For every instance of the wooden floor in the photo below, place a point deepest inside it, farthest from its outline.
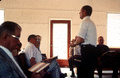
(67, 70)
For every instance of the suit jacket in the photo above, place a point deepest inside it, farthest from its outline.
(8, 69)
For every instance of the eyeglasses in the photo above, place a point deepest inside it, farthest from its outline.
(14, 36)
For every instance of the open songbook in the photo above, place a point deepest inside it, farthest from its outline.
(41, 65)
(51, 59)
(38, 67)
(77, 60)
(111, 51)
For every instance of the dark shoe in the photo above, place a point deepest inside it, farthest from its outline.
(63, 75)
(72, 75)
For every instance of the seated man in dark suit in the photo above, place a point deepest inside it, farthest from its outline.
(105, 58)
(104, 48)
(9, 39)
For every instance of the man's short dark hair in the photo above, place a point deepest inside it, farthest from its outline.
(100, 36)
(88, 9)
(31, 36)
(9, 27)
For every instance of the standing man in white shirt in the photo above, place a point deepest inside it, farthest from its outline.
(87, 39)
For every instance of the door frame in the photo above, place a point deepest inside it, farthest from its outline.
(61, 62)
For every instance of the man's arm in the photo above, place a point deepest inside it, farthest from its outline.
(78, 41)
(32, 61)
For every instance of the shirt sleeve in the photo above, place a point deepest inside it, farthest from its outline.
(34, 52)
(83, 30)
(31, 52)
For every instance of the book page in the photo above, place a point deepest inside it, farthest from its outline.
(42, 68)
(38, 67)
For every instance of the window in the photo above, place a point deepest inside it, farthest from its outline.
(113, 30)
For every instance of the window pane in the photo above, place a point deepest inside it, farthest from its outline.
(113, 30)
(60, 40)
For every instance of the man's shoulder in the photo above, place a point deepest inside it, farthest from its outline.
(5, 67)
(105, 45)
(2, 59)
(87, 21)
(4, 64)
(30, 46)
(102, 45)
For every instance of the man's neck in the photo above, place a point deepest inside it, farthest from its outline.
(86, 16)
(101, 44)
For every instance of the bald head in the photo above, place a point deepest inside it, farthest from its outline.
(101, 40)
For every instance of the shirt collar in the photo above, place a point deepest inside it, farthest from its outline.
(30, 43)
(6, 51)
(86, 17)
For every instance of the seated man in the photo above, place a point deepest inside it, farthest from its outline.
(33, 56)
(74, 54)
(9, 39)
(101, 46)
(105, 60)
(38, 45)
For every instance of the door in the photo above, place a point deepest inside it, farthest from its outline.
(60, 40)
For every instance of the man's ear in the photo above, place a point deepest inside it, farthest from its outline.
(4, 36)
(85, 12)
(31, 40)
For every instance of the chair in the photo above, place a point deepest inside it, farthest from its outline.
(23, 64)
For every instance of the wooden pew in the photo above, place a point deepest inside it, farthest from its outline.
(109, 61)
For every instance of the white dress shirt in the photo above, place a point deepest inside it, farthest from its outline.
(88, 31)
(32, 51)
